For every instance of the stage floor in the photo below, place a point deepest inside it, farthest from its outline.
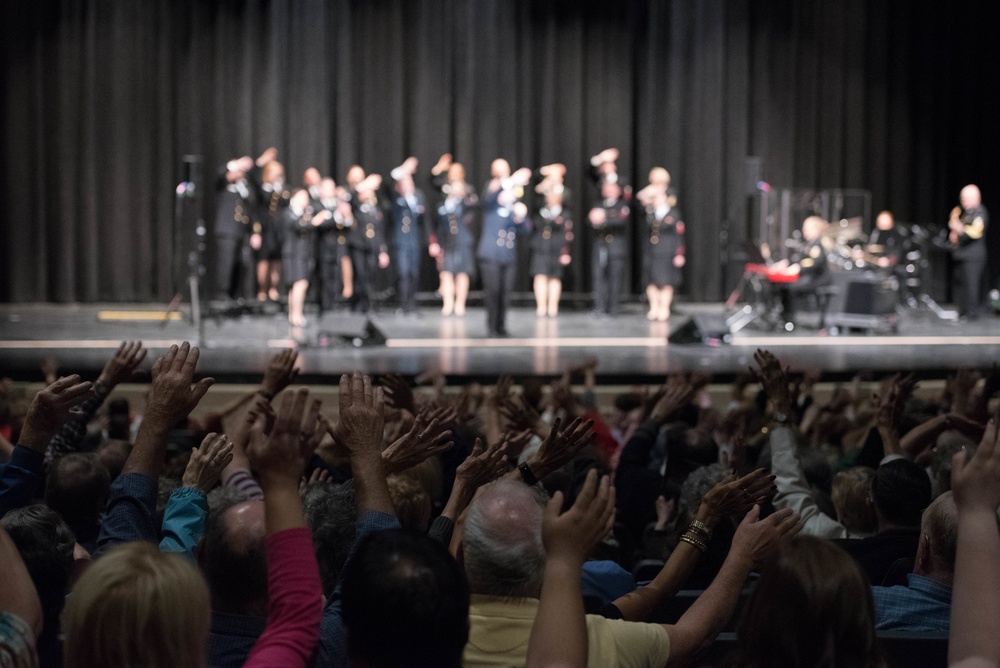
(236, 349)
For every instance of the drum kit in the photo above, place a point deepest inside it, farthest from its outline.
(895, 278)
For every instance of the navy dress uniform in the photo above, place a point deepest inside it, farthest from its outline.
(454, 233)
(234, 209)
(334, 236)
(367, 241)
(551, 239)
(969, 254)
(497, 255)
(610, 253)
(408, 222)
(298, 250)
(664, 240)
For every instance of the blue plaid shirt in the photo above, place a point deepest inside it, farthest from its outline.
(923, 605)
(130, 514)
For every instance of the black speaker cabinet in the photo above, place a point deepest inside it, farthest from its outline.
(863, 300)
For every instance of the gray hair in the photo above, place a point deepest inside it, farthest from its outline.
(502, 541)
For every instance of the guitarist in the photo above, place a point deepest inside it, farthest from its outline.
(967, 229)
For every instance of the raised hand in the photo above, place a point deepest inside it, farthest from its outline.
(279, 451)
(398, 394)
(172, 395)
(735, 495)
(362, 418)
(123, 365)
(561, 446)
(975, 481)
(572, 535)
(207, 462)
(50, 409)
(519, 413)
(483, 465)
(280, 373)
(756, 539)
(425, 439)
(774, 380)
(674, 398)
(316, 478)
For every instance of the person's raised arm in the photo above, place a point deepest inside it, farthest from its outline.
(975, 605)
(119, 369)
(792, 490)
(559, 632)
(754, 540)
(362, 408)
(279, 450)
(730, 496)
(50, 409)
(187, 508)
(481, 467)
(131, 509)
(557, 449)
(425, 439)
(172, 397)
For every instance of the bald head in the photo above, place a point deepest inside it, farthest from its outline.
(812, 228)
(970, 197)
(232, 557)
(502, 541)
(885, 221)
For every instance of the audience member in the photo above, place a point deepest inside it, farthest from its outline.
(812, 607)
(924, 604)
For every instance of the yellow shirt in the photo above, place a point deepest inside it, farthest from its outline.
(500, 629)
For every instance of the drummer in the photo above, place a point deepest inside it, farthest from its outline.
(886, 242)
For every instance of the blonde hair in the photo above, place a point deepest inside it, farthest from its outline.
(849, 492)
(137, 606)
(413, 504)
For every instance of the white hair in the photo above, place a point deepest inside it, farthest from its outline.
(502, 541)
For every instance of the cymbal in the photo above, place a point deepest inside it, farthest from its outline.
(845, 229)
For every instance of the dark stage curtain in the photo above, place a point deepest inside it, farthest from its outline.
(101, 99)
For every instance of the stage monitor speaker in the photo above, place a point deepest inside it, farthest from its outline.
(708, 330)
(862, 300)
(350, 329)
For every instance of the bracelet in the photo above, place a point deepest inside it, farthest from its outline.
(527, 474)
(699, 533)
(264, 393)
(701, 526)
(697, 544)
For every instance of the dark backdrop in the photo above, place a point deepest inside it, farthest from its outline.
(101, 99)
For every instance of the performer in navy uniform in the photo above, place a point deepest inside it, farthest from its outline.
(269, 231)
(610, 221)
(886, 243)
(504, 218)
(235, 199)
(452, 239)
(369, 248)
(967, 230)
(551, 244)
(408, 214)
(811, 263)
(335, 273)
(299, 251)
(663, 258)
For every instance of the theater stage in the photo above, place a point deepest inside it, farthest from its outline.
(236, 349)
